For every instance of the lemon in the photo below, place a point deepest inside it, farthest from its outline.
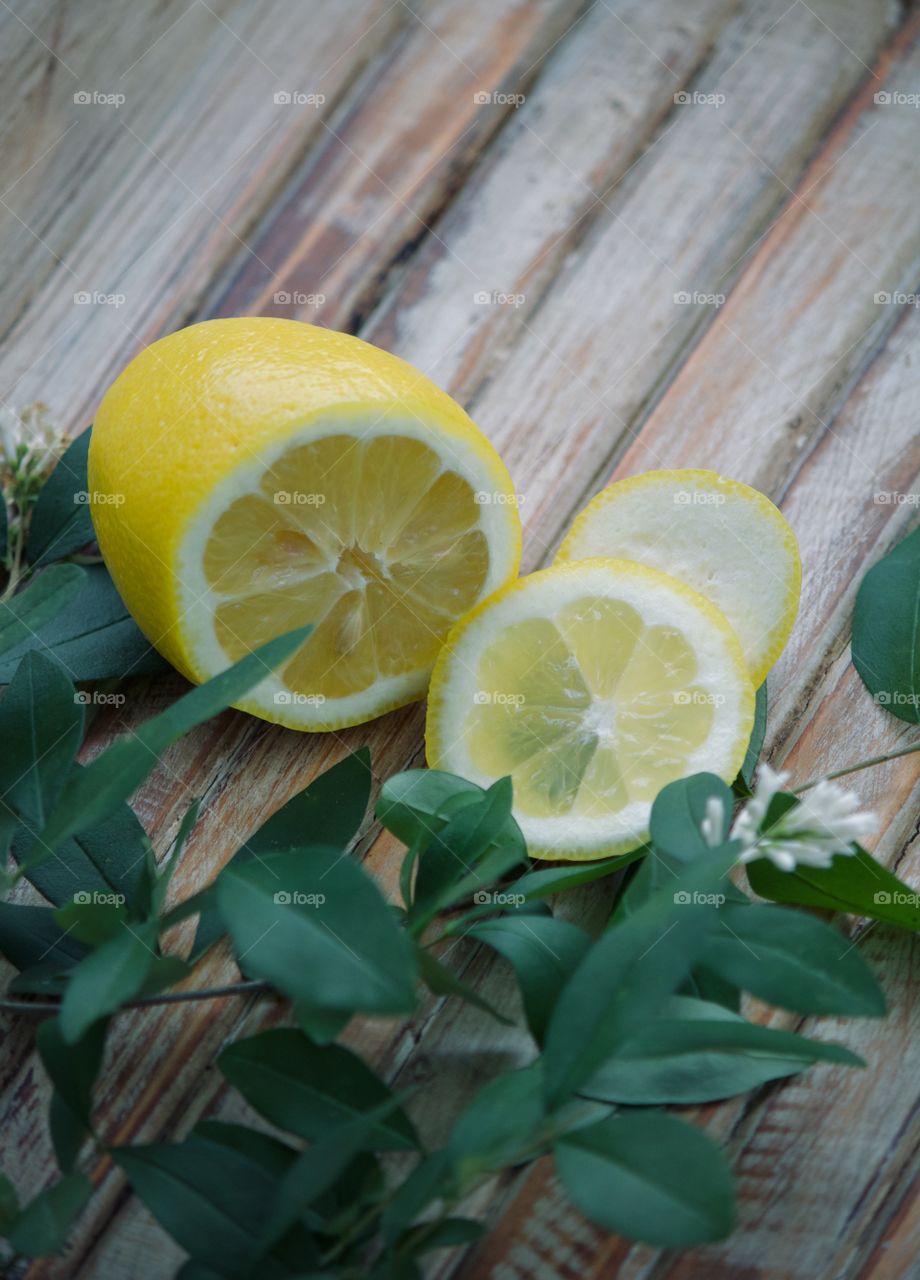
(723, 538)
(593, 684)
(252, 475)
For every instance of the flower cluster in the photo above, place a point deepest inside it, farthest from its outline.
(823, 822)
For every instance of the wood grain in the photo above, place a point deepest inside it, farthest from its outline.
(598, 199)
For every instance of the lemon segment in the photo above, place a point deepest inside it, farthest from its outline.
(272, 474)
(723, 538)
(593, 684)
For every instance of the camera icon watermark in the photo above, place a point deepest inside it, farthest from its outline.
(896, 698)
(95, 698)
(85, 298)
(684, 298)
(288, 698)
(891, 498)
(87, 98)
(285, 298)
(85, 898)
(895, 98)
(496, 898)
(496, 298)
(684, 898)
(296, 98)
(297, 898)
(487, 498)
(896, 299)
(484, 98)
(698, 698)
(297, 498)
(495, 698)
(695, 498)
(98, 497)
(895, 898)
(685, 98)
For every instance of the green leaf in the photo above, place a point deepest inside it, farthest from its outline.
(30, 936)
(442, 981)
(317, 1170)
(91, 920)
(448, 1234)
(544, 881)
(44, 1224)
(886, 630)
(329, 811)
(744, 782)
(323, 1026)
(72, 1069)
(108, 859)
(431, 1179)
(853, 883)
(60, 522)
(629, 972)
(90, 795)
(649, 1177)
(211, 1199)
(310, 1089)
(544, 953)
(93, 636)
(41, 727)
(312, 923)
(703, 1054)
(44, 598)
(9, 1205)
(467, 854)
(421, 801)
(678, 813)
(501, 1126)
(107, 979)
(794, 960)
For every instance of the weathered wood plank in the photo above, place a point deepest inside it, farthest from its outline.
(141, 202)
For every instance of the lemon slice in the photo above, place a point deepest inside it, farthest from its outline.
(723, 538)
(593, 684)
(249, 476)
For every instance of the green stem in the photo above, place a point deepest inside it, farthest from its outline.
(41, 1007)
(855, 768)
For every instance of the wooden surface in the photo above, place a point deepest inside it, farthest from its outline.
(782, 185)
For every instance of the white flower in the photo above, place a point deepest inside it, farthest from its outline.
(823, 823)
(713, 823)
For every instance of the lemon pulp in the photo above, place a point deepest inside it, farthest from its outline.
(332, 537)
(605, 712)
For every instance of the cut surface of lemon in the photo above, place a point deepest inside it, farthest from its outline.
(268, 474)
(593, 684)
(723, 538)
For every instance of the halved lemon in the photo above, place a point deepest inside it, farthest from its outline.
(593, 684)
(252, 475)
(723, 538)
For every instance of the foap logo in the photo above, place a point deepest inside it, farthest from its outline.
(495, 698)
(487, 898)
(684, 898)
(483, 298)
(296, 498)
(497, 99)
(684, 98)
(97, 497)
(487, 498)
(288, 698)
(87, 98)
(83, 898)
(94, 698)
(85, 298)
(686, 498)
(890, 498)
(697, 698)
(896, 299)
(895, 98)
(296, 98)
(897, 898)
(897, 698)
(295, 299)
(696, 299)
(296, 898)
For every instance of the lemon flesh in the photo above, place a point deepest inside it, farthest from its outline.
(723, 538)
(271, 474)
(593, 685)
